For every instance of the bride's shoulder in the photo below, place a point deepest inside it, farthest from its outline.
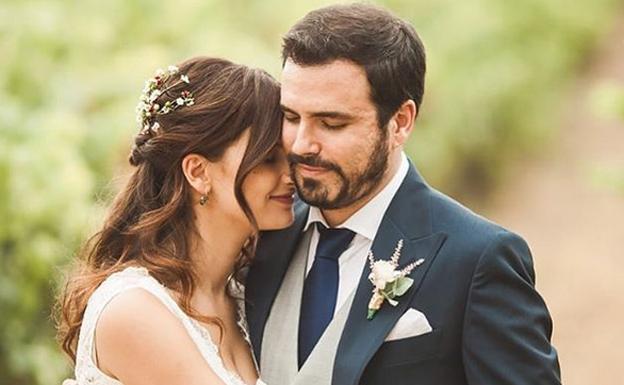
(132, 318)
(128, 298)
(137, 327)
(125, 300)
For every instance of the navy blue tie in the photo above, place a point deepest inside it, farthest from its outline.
(321, 288)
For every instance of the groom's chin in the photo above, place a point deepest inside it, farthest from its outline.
(320, 200)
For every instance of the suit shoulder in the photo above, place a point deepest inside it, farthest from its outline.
(466, 230)
(450, 216)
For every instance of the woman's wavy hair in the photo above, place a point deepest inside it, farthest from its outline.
(151, 217)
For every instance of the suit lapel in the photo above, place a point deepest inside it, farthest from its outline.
(267, 272)
(407, 218)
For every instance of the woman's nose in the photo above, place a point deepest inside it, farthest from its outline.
(286, 178)
(284, 169)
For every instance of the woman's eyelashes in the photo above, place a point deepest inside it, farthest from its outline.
(273, 157)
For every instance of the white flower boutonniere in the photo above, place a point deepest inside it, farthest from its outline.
(388, 282)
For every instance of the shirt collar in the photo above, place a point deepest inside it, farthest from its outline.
(367, 219)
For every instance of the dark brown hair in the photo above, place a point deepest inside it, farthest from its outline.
(151, 218)
(386, 46)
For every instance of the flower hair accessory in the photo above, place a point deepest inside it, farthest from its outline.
(388, 282)
(148, 108)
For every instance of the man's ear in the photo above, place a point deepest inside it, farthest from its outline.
(402, 123)
(196, 169)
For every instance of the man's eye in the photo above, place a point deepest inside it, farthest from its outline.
(334, 126)
(291, 118)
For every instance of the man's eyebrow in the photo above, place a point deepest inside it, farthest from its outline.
(332, 114)
(286, 109)
(321, 114)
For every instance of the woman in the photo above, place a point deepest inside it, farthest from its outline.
(156, 300)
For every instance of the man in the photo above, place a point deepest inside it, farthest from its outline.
(352, 85)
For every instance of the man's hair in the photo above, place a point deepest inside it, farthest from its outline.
(386, 46)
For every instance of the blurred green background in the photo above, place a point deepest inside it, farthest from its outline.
(506, 81)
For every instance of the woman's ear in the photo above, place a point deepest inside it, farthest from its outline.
(196, 169)
(402, 123)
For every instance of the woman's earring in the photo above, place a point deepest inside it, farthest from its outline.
(203, 199)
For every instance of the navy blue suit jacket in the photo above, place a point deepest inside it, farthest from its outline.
(476, 288)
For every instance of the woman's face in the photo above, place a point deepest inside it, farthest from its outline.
(270, 192)
(268, 189)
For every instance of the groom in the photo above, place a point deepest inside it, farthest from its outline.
(352, 85)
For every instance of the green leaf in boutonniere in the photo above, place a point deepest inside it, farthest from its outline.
(402, 285)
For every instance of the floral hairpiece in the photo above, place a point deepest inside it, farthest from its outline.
(147, 107)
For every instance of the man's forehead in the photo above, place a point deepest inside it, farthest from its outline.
(334, 71)
(325, 86)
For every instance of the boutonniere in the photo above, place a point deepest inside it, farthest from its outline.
(388, 282)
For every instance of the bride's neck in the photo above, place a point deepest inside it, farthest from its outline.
(215, 250)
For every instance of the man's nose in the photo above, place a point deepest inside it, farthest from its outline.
(305, 140)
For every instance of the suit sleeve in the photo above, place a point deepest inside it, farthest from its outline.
(507, 327)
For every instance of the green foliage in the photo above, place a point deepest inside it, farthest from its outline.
(71, 72)
(496, 73)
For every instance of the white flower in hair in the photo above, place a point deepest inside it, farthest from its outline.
(154, 90)
(154, 95)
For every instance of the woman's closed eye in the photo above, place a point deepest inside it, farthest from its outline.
(271, 158)
(274, 156)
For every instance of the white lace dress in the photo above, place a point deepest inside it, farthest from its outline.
(87, 372)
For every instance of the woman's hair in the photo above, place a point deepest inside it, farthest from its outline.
(151, 218)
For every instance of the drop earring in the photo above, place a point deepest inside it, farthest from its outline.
(203, 199)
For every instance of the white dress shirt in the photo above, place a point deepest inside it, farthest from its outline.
(364, 223)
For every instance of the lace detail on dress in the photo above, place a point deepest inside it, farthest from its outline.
(238, 291)
(87, 372)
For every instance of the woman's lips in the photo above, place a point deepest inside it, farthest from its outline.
(287, 199)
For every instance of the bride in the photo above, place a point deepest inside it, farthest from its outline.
(156, 297)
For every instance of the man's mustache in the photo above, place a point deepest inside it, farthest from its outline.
(312, 161)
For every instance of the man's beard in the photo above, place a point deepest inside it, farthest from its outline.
(351, 188)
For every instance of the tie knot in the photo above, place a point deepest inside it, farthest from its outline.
(332, 242)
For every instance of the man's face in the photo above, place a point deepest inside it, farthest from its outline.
(337, 152)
